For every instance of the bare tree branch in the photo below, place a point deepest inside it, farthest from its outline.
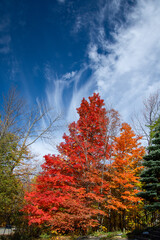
(150, 113)
(28, 125)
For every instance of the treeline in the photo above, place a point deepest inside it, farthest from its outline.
(20, 127)
(94, 181)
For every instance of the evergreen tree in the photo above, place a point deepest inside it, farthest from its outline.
(150, 176)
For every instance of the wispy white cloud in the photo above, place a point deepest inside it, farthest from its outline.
(132, 67)
(57, 87)
(78, 93)
(69, 75)
(124, 71)
(40, 149)
(54, 90)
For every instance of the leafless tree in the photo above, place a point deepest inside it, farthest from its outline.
(27, 124)
(150, 113)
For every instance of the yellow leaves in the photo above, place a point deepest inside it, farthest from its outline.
(103, 229)
(54, 232)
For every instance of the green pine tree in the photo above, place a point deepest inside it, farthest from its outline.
(150, 176)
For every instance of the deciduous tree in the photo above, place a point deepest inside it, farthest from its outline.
(73, 180)
(123, 173)
(143, 122)
(20, 127)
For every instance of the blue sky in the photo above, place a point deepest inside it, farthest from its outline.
(59, 51)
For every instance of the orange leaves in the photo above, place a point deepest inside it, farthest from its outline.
(78, 185)
(127, 156)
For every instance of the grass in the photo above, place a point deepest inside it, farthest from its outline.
(106, 235)
(109, 235)
(49, 237)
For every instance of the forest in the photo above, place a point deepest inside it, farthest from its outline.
(103, 179)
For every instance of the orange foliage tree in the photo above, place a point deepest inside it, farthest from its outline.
(123, 173)
(77, 189)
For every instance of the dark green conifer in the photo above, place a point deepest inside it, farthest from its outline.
(150, 176)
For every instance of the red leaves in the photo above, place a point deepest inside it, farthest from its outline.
(77, 185)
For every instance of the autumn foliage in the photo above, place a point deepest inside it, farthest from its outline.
(123, 172)
(94, 173)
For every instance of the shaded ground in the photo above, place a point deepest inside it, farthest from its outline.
(150, 233)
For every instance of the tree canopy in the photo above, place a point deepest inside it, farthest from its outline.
(94, 173)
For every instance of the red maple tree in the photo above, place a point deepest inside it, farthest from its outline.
(68, 192)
